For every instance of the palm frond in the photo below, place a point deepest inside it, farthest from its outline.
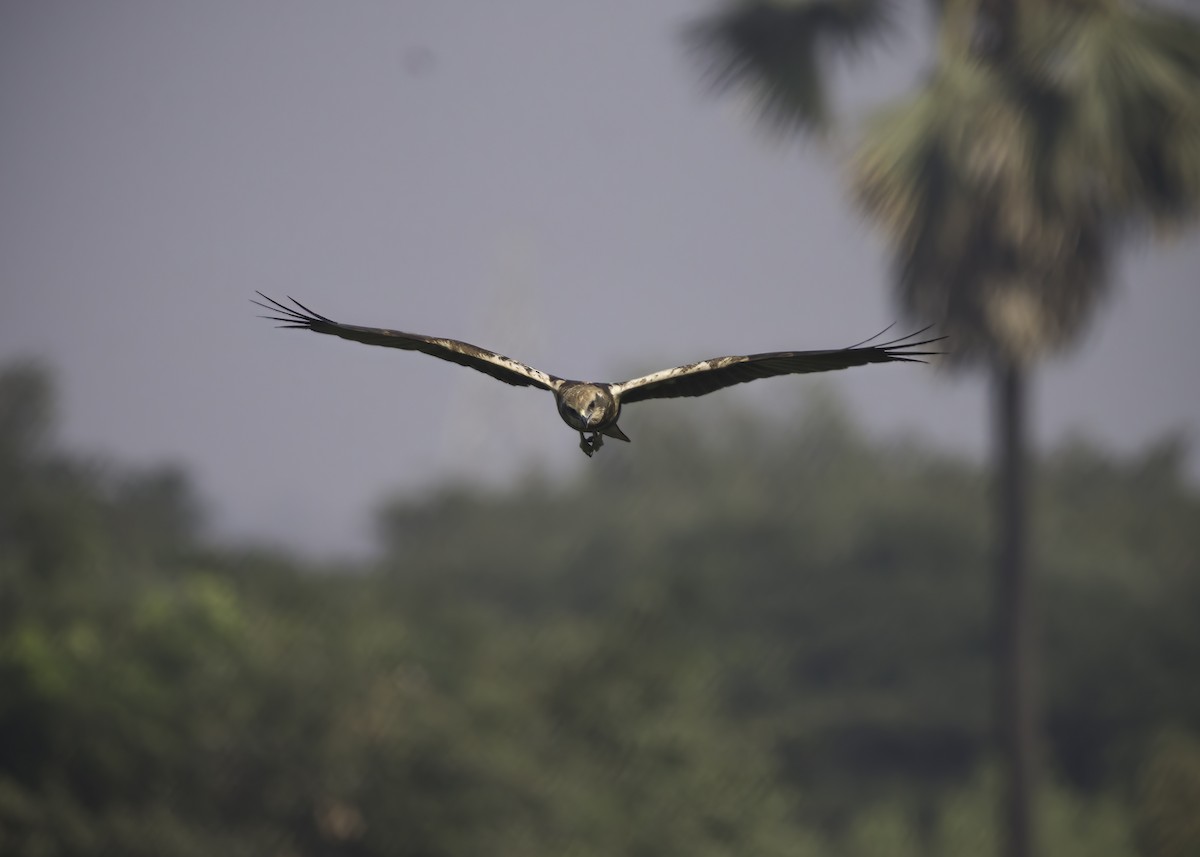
(1129, 81)
(956, 176)
(776, 50)
(999, 188)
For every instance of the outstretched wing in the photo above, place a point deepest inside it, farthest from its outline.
(464, 354)
(697, 379)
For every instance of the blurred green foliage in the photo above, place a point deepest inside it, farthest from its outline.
(766, 639)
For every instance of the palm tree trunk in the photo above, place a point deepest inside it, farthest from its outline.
(1013, 620)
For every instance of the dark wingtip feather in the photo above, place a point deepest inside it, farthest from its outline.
(267, 307)
(895, 358)
(902, 349)
(275, 307)
(315, 315)
(290, 317)
(870, 338)
(907, 341)
(278, 318)
(274, 303)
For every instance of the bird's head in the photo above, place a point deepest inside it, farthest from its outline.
(592, 412)
(586, 407)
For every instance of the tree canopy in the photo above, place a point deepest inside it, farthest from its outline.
(750, 642)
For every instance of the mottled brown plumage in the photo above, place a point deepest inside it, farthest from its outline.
(593, 408)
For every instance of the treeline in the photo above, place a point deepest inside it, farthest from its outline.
(765, 640)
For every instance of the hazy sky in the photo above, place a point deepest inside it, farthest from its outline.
(546, 179)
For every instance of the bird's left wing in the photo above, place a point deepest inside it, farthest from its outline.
(463, 353)
(716, 373)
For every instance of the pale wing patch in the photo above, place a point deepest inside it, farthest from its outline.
(679, 372)
(543, 378)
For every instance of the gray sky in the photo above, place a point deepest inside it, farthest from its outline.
(546, 179)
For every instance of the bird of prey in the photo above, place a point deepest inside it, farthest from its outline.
(593, 408)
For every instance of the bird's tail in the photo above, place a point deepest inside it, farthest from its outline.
(613, 431)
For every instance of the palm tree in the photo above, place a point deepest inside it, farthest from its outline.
(1046, 131)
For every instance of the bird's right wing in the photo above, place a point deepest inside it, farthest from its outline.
(716, 373)
(463, 353)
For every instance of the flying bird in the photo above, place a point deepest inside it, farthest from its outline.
(593, 408)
